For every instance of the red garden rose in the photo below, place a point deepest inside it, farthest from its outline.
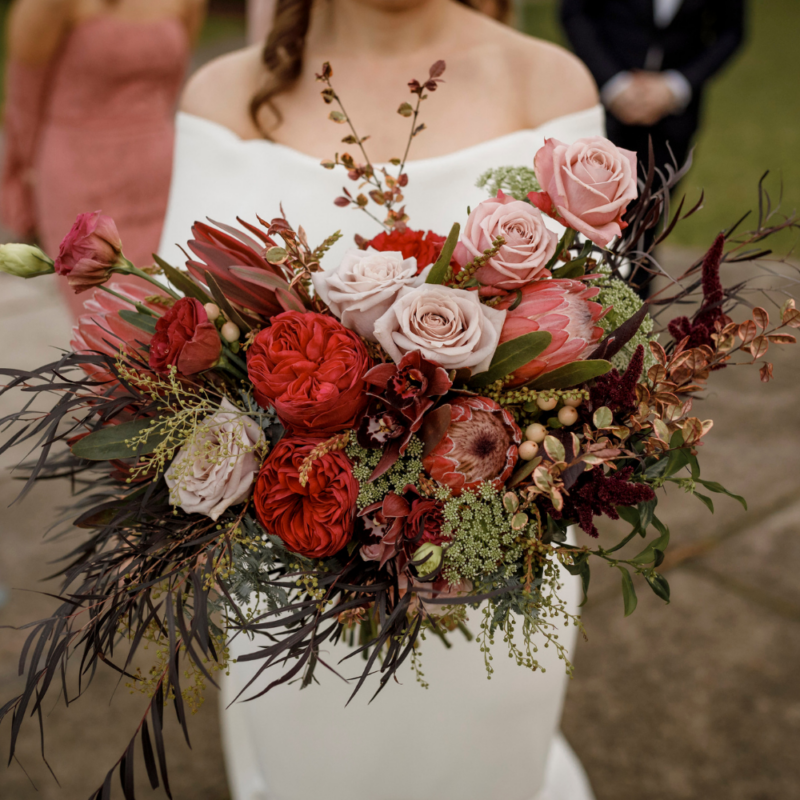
(425, 247)
(315, 520)
(89, 252)
(311, 369)
(185, 338)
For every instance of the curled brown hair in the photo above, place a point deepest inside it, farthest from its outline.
(283, 51)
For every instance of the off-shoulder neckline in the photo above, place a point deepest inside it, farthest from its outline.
(220, 130)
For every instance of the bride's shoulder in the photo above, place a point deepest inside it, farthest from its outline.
(548, 79)
(221, 91)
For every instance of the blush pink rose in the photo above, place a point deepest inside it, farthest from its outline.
(587, 185)
(89, 252)
(528, 247)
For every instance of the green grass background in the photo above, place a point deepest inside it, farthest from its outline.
(751, 122)
(752, 115)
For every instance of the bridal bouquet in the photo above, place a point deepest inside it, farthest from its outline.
(391, 446)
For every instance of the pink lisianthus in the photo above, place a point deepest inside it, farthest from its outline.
(586, 185)
(89, 252)
(528, 248)
(564, 309)
(101, 329)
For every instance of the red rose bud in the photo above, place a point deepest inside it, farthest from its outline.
(311, 369)
(425, 247)
(480, 446)
(315, 520)
(90, 252)
(185, 338)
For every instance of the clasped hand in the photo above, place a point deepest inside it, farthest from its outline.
(646, 101)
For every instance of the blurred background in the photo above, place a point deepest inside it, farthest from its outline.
(697, 701)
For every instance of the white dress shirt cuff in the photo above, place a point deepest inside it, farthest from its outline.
(679, 87)
(614, 87)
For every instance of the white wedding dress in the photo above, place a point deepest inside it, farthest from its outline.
(466, 737)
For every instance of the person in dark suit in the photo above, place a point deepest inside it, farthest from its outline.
(651, 60)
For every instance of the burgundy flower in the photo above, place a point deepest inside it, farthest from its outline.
(185, 338)
(700, 329)
(89, 252)
(480, 446)
(595, 494)
(618, 392)
(396, 526)
(407, 391)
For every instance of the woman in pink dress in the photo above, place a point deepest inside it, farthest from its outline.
(91, 89)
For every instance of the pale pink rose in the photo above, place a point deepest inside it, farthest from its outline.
(89, 251)
(217, 470)
(564, 309)
(587, 185)
(528, 247)
(364, 285)
(449, 326)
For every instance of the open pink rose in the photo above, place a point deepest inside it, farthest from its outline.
(528, 247)
(89, 252)
(587, 184)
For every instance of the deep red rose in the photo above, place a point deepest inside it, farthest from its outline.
(311, 369)
(425, 247)
(89, 251)
(315, 520)
(185, 338)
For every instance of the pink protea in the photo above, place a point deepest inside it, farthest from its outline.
(481, 445)
(564, 309)
(100, 328)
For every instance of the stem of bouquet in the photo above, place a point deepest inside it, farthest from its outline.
(232, 365)
(130, 269)
(140, 307)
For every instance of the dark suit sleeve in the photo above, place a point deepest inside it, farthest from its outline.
(577, 17)
(729, 23)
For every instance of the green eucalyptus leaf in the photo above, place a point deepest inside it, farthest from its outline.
(439, 270)
(110, 442)
(142, 321)
(512, 355)
(603, 417)
(570, 375)
(629, 598)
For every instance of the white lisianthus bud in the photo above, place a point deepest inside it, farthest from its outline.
(431, 554)
(213, 312)
(24, 261)
(230, 332)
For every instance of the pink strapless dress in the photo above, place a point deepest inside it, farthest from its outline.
(94, 130)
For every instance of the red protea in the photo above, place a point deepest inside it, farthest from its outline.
(480, 446)
(101, 329)
(564, 309)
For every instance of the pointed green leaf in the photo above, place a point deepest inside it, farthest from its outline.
(570, 375)
(182, 282)
(705, 500)
(439, 270)
(524, 472)
(142, 321)
(718, 488)
(512, 355)
(109, 442)
(658, 583)
(629, 598)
